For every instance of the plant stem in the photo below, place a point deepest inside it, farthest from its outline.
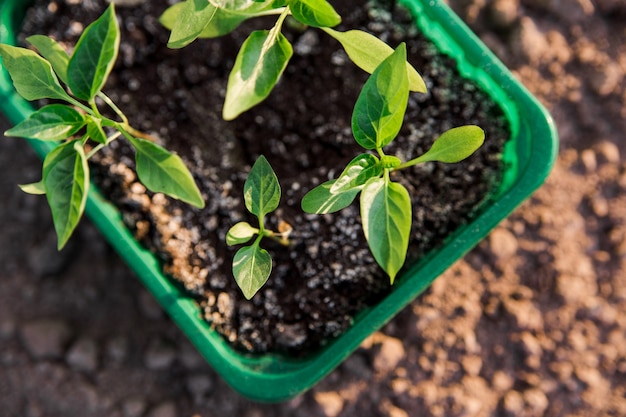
(410, 163)
(102, 145)
(279, 23)
(79, 105)
(112, 105)
(271, 12)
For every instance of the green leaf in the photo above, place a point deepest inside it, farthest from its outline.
(259, 64)
(35, 188)
(386, 217)
(53, 122)
(66, 181)
(357, 173)
(53, 52)
(316, 13)
(32, 75)
(368, 52)
(205, 24)
(192, 17)
(191, 20)
(454, 145)
(164, 172)
(261, 191)
(380, 107)
(95, 131)
(240, 233)
(94, 56)
(252, 267)
(320, 200)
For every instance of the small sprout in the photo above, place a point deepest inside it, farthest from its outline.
(65, 174)
(252, 265)
(385, 205)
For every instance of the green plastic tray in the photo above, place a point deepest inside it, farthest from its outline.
(529, 155)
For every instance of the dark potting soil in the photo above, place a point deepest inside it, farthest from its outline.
(327, 275)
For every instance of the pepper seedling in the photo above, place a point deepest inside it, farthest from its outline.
(385, 204)
(252, 265)
(65, 174)
(264, 55)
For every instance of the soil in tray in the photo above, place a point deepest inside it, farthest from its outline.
(327, 275)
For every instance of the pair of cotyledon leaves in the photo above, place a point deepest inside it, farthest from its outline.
(65, 173)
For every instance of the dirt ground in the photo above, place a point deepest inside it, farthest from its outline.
(531, 323)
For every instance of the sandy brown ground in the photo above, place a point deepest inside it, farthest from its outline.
(531, 323)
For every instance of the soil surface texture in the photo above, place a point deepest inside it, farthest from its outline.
(530, 323)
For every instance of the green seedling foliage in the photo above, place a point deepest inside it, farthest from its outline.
(357, 173)
(66, 183)
(265, 54)
(65, 176)
(162, 171)
(35, 188)
(240, 233)
(187, 21)
(380, 108)
(252, 265)
(385, 205)
(386, 217)
(195, 19)
(317, 13)
(454, 145)
(95, 130)
(32, 76)
(261, 191)
(53, 122)
(367, 52)
(94, 56)
(53, 53)
(260, 62)
(321, 200)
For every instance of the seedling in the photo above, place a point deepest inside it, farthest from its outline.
(252, 264)
(265, 54)
(385, 204)
(79, 124)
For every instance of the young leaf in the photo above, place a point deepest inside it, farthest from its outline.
(357, 173)
(320, 200)
(454, 145)
(316, 13)
(259, 64)
(35, 188)
(53, 52)
(240, 233)
(252, 267)
(187, 20)
(94, 56)
(202, 25)
(53, 122)
(66, 181)
(386, 217)
(32, 75)
(367, 52)
(95, 131)
(162, 171)
(261, 191)
(380, 107)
